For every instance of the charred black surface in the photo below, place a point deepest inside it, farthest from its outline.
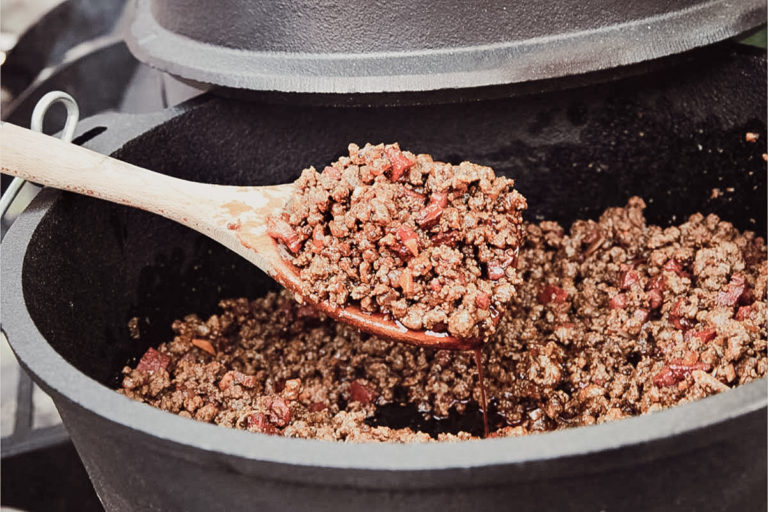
(401, 415)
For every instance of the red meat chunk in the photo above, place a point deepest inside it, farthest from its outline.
(429, 215)
(627, 277)
(676, 371)
(260, 422)
(409, 239)
(736, 291)
(152, 360)
(552, 293)
(400, 163)
(279, 412)
(358, 392)
(618, 301)
(282, 231)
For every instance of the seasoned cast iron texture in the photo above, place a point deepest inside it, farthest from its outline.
(343, 46)
(75, 270)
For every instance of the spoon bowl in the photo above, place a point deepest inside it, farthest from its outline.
(234, 216)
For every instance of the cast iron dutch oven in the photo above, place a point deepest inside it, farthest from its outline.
(75, 270)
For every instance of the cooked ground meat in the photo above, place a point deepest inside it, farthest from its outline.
(431, 244)
(612, 319)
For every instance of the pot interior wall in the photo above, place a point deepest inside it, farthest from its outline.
(669, 137)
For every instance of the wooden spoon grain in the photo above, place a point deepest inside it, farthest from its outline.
(233, 216)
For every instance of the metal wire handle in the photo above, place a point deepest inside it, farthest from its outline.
(36, 124)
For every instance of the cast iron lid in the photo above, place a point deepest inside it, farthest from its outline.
(343, 46)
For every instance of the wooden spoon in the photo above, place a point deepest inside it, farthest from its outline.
(233, 216)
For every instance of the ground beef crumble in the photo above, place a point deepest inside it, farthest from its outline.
(432, 244)
(612, 319)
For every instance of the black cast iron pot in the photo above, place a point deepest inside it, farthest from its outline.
(75, 270)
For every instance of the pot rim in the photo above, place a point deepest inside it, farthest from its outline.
(58, 376)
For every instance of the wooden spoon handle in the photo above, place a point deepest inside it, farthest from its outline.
(49, 161)
(234, 216)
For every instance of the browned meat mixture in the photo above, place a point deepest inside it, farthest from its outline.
(612, 319)
(432, 244)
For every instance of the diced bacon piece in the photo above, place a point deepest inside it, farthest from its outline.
(152, 360)
(440, 198)
(655, 298)
(733, 292)
(483, 300)
(552, 293)
(429, 215)
(409, 239)
(706, 335)
(260, 422)
(318, 237)
(627, 277)
(666, 377)
(676, 371)
(400, 163)
(358, 392)
(618, 301)
(278, 410)
(281, 231)
(412, 194)
(497, 268)
(247, 381)
(678, 320)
